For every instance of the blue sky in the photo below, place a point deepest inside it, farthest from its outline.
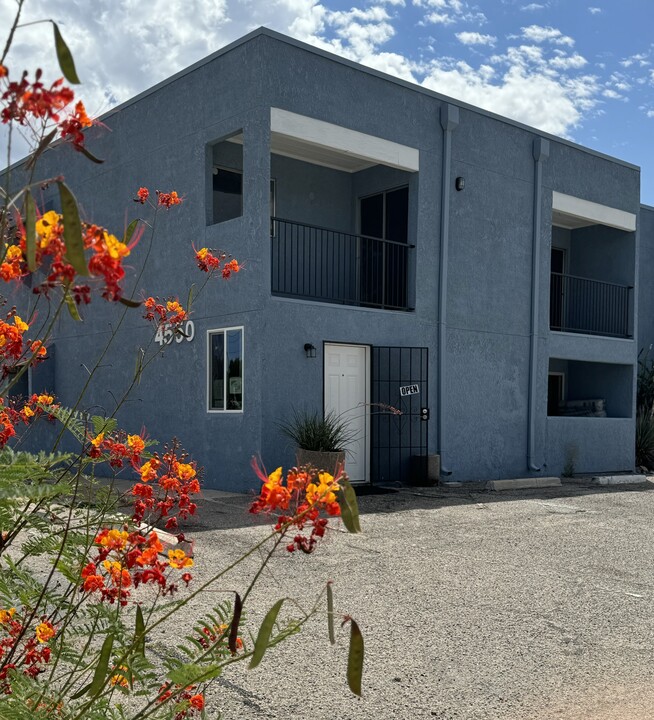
(581, 70)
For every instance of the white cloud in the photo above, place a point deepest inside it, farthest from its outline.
(535, 100)
(541, 34)
(532, 7)
(640, 59)
(612, 94)
(594, 10)
(448, 12)
(524, 83)
(620, 82)
(475, 38)
(568, 62)
(650, 113)
(125, 47)
(439, 18)
(121, 47)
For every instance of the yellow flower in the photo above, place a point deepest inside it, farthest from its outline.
(120, 576)
(45, 399)
(28, 412)
(13, 253)
(115, 248)
(113, 539)
(6, 615)
(148, 471)
(185, 471)
(46, 225)
(22, 326)
(119, 679)
(44, 631)
(274, 479)
(324, 492)
(178, 559)
(135, 443)
(97, 440)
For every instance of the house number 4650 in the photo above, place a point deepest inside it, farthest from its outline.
(166, 333)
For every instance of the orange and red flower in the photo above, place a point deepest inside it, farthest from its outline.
(13, 267)
(209, 262)
(142, 195)
(305, 496)
(168, 199)
(71, 128)
(171, 313)
(45, 631)
(106, 261)
(197, 702)
(178, 559)
(24, 100)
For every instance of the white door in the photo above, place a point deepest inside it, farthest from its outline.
(347, 383)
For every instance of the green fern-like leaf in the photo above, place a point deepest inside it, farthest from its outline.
(74, 421)
(102, 424)
(186, 674)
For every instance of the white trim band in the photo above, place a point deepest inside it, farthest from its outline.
(599, 214)
(350, 142)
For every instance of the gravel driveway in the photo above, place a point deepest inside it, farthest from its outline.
(474, 606)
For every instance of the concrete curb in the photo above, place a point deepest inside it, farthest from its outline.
(524, 483)
(619, 479)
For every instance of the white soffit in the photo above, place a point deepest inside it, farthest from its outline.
(572, 212)
(300, 136)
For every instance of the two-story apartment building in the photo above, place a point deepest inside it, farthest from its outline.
(399, 248)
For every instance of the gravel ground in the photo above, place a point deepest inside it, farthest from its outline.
(473, 606)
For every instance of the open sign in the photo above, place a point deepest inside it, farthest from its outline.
(409, 390)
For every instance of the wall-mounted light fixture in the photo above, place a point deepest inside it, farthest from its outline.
(460, 183)
(309, 350)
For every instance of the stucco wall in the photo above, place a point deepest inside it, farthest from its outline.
(164, 141)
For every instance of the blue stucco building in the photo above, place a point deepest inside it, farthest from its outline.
(399, 247)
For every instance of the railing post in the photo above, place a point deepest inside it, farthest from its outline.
(383, 283)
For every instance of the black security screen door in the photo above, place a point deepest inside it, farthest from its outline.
(399, 379)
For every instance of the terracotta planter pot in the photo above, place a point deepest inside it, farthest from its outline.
(327, 461)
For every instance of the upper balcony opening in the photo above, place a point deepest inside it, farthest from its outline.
(592, 268)
(342, 214)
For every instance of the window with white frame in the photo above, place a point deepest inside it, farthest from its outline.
(225, 368)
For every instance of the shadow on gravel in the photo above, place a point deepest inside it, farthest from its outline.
(222, 510)
(429, 498)
(231, 510)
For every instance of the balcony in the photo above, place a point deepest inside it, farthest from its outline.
(316, 263)
(590, 307)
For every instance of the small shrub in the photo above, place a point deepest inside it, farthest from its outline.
(645, 389)
(645, 437)
(310, 430)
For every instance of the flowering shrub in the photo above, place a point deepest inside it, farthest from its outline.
(306, 497)
(82, 572)
(210, 263)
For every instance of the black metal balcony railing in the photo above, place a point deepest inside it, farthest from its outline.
(316, 263)
(592, 307)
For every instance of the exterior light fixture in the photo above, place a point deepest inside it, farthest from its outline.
(460, 183)
(309, 350)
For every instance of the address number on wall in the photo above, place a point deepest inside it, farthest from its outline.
(166, 333)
